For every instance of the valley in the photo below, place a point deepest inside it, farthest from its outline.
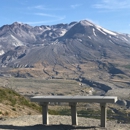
(29, 87)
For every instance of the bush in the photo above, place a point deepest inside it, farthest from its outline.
(1, 112)
(14, 109)
(60, 112)
(6, 113)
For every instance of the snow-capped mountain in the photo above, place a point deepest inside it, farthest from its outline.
(24, 46)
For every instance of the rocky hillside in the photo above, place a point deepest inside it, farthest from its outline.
(22, 45)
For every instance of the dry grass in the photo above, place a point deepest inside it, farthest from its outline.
(13, 104)
(38, 86)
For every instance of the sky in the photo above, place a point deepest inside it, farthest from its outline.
(113, 15)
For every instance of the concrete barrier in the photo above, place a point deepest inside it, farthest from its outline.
(73, 100)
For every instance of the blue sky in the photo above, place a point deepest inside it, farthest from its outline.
(110, 14)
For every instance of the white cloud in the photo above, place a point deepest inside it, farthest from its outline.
(51, 16)
(46, 21)
(39, 7)
(42, 7)
(47, 15)
(75, 6)
(55, 18)
(113, 4)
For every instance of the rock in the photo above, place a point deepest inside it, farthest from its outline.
(121, 102)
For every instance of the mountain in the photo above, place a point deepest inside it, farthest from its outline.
(78, 49)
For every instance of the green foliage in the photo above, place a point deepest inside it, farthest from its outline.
(7, 94)
(81, 113)
(6, 113)
(89, 114)
(13, 98)
(14, 109)
(59, 112)
(120, 117)
(127, 66)
(1, 112)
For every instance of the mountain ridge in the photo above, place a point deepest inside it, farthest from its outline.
(61, 46)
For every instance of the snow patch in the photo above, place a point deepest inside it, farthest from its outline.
(89, 37)
(123, 38)
(111, 41)
(2, 52)
(63, 32)
(48, 28)
(19, 23)
(101, 31)
(109, 32)
(70, 26)
(17, 42)
(40, 28)
(106, 31)
(94, 32)
(55, 42)
(50, 33)
(86, 23)
(80, 40)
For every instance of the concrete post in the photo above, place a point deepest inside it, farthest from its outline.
(103, 114)
(45, 119)
(73, 113)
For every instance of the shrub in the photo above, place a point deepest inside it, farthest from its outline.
(6, 113)
(14, 109)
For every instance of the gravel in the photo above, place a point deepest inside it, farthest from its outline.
(34, 122)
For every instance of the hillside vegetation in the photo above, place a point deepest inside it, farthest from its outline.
(13, 104)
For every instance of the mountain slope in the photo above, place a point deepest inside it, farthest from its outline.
(58, 49)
